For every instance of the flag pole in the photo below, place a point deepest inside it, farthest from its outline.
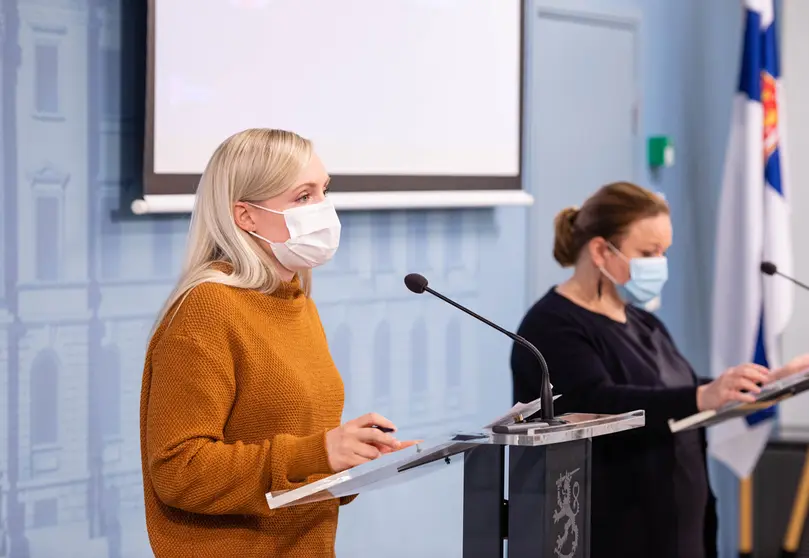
(797, 519)
(746, 517)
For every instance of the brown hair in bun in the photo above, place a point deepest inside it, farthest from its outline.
(607, 214)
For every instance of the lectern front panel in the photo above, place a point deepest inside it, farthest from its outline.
(484, 512)
(549, 501)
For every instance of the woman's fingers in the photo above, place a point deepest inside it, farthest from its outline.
(753, 372)
(372, 419)
(743, 384)
(366, 451)
(743, 397)
(376, 436)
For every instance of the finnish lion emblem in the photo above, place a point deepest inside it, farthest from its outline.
(567, 502)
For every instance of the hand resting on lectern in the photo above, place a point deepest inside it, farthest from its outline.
(361, 440)
(739, 383)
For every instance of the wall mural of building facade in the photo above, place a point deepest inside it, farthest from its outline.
(81, 285)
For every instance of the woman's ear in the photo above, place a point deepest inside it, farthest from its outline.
(597, 248)
(243, 218)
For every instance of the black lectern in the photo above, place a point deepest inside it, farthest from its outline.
(543, 510)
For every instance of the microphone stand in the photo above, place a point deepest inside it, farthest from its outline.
(545, 413)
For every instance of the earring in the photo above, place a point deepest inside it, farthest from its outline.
(599, 287)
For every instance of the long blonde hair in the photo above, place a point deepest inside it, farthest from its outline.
(252, 165)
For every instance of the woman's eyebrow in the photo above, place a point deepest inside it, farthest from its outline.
(311, 184)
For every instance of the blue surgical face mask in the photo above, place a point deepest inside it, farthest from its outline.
(647, 276)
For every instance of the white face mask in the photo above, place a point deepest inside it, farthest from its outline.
(314, 235)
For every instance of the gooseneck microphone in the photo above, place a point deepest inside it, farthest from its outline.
(418, 284)
(769, 268)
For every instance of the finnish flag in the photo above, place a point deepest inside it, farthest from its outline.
(750, 310)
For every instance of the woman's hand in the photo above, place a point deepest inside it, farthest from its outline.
(735, 384)
(357, 442)
(794, 366)
(402, 445)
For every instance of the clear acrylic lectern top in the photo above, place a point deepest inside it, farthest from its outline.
(428, 456)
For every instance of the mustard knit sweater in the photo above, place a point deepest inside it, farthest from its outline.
(238, 391)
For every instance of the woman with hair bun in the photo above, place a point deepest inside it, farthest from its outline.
(606, 354)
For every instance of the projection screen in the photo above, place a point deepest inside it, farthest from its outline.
(410, 103)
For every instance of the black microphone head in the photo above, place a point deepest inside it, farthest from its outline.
(415, 282)
(768, 268)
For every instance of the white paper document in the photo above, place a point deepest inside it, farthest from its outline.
(520, 411)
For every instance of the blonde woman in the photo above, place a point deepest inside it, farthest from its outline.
(240, 395)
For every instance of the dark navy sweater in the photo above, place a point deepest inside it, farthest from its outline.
(650, 491)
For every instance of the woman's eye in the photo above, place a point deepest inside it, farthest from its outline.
(304, 198)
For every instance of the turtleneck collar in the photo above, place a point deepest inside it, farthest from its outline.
(286, 290)
(289, 289)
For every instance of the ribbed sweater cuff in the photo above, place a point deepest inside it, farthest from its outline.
(307, 456)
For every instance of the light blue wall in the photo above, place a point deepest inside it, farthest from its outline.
(81, 286)
(689, 64)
